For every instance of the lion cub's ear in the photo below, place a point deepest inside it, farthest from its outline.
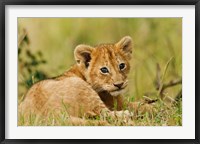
(125, 44)
(82, 54)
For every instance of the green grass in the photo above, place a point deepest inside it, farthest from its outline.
(50, 42)
(162, 115)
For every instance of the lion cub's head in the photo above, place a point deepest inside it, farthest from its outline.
(106, 66)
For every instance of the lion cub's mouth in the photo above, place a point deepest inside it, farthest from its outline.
(117, 92)
(119, 89)
(113, 91)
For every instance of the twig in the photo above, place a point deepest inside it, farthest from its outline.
(171, 84)
(161, 86)
(149, 100)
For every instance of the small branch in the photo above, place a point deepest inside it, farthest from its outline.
(169, 84)
(172, 83)
(161, 86)
(149, 100)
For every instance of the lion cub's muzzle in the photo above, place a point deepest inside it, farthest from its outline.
(119, 88)
(119, 85)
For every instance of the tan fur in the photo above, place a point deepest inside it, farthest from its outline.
(84, 90)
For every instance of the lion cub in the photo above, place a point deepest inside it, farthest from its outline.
(93, 85)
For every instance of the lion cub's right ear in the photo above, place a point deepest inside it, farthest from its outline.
(82, 54)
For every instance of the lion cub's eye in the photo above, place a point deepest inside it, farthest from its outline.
(104, 70)
(122, 66)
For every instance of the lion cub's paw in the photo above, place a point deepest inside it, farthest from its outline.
(122, 114)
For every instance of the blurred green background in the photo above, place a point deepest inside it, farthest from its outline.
(46, 48)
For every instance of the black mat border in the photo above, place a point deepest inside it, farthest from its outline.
(3, 3)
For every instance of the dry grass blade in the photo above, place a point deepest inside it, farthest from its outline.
(163, 76)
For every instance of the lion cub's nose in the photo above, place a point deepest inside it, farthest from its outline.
(119, 85)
